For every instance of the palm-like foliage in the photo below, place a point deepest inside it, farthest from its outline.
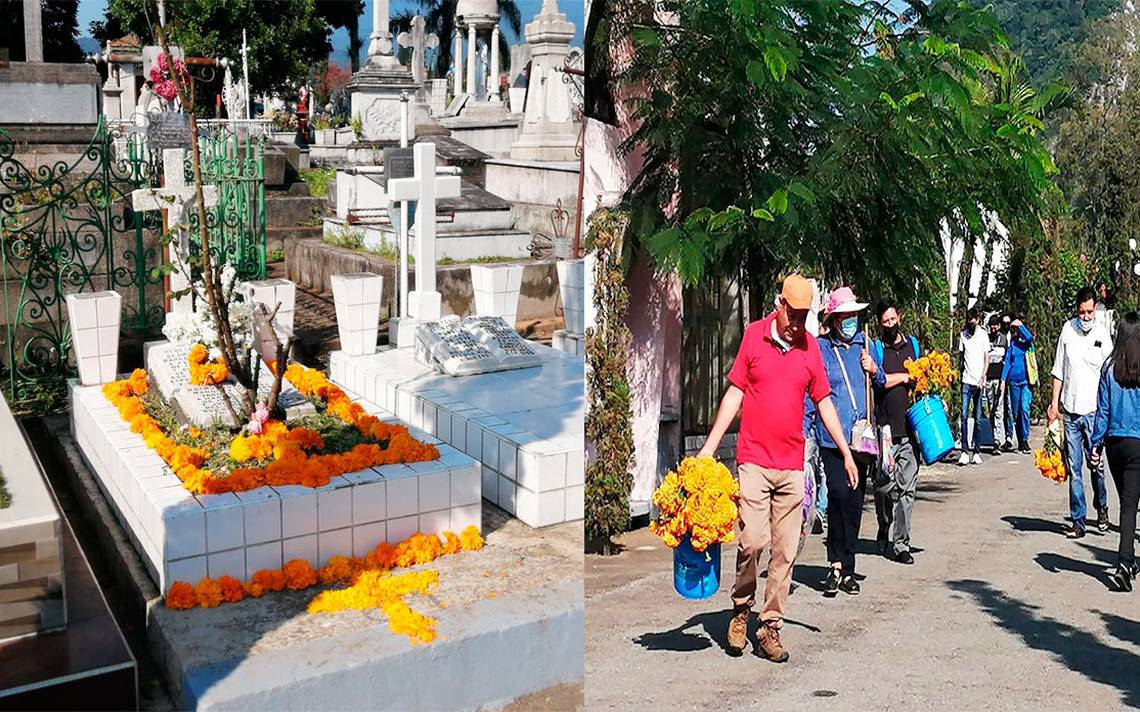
(439, 18)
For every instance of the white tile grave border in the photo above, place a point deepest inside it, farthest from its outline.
(539, 481)
(186, 537)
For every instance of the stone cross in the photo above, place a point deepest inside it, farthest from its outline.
(424, 187)
(175, 197)
(419, 42)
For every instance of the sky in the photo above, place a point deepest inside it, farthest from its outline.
(574, 9)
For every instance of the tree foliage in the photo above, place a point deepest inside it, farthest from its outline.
(286, 37)
(609, 429)
(60, 30)
(829, 136)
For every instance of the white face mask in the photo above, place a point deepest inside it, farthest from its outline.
(1084, 326)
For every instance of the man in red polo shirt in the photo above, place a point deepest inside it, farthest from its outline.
(778, 363)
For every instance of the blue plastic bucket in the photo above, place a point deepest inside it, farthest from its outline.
(696, 574)
(931, 428)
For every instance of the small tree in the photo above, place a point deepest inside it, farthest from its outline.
(609, 432)
(238, 355)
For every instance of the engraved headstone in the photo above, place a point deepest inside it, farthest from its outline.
(473, 345)
(168, 129)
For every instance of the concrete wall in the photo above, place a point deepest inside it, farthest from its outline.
(310, 263)
(39, 93)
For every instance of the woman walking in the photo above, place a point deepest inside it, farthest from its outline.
(845, 358)
(1117, 429)
(1016, 377)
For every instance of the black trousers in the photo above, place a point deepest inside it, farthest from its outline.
(1123, 456)
(844, 509)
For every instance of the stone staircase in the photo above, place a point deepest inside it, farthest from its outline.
(292, 214)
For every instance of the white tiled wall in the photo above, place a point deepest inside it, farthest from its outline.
(357, 300)
(186, 537)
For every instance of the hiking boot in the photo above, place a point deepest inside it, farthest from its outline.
(831, 584)
(849, 585)
(738, 630)
(964, 459)
(1102, 519)
(770, 646)
(977, 458)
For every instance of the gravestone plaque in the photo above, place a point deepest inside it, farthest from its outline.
(168, 129)
(473, 345)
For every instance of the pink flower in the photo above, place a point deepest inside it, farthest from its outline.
(258, 419)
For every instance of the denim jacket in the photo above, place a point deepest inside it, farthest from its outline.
(1117, 409)
(832, 349)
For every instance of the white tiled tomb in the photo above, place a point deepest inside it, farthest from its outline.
(185, 537)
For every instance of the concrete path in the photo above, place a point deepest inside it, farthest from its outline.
(1000, 611)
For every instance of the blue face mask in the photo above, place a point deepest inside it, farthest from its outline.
(849, 327)
(1083, 326)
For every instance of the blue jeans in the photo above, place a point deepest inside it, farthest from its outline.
(1010, 418)
(1078, 440)
(1021, 398)
(971, 414)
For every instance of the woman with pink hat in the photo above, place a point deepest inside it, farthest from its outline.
(850, 371)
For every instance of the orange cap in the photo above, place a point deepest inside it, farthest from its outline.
(797, 291)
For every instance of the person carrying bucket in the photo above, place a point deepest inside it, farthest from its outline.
(895, 489)
(850, 372)
(777, 364)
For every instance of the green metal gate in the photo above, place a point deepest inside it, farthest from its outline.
(68, 227)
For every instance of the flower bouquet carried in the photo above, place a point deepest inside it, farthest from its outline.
(1048, 459)
(697, 513)
(931, 377)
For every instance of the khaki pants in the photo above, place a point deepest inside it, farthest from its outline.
(771, 504)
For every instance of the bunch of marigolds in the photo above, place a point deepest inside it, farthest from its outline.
(932, 374)
(1049, 460)
(203, 370)
(699, 499)
(368, 581)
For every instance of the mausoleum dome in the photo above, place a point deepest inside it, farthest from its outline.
(477, 11)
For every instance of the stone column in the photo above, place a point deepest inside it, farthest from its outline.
(471, 60)
(33, 32)
(493, 80)
(457, 70)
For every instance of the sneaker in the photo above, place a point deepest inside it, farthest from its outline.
(1122, 579)
(770, 645)
(817, 524)
(1075, 531)
(738, 630)
(904, 557)
(1102, 519)
(996, 451)
(1024, 450)
(831, 584)
(1007, 446)
(964, 459)
(849, 585)
(977, 458)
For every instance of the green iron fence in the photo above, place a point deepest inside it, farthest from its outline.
(68, 227)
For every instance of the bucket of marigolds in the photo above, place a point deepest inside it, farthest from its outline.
(697, 513)
(931, 377)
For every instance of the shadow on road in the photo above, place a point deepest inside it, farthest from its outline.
(1080, 651)
(934, 491)
(1034, 524)
(688, 637)
(1054, 563)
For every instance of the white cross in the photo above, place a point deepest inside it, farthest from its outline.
(174, 198)
(419, 42)
(425, 187)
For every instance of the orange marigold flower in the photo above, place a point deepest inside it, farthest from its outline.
(208, 592)
(254, 590)
(337, 570)
(269, 579)
(299, 574)
(471, 539)
(181, 596)
(231, 589)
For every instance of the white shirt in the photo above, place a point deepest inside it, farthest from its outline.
(975, 352)
(1077, 366)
